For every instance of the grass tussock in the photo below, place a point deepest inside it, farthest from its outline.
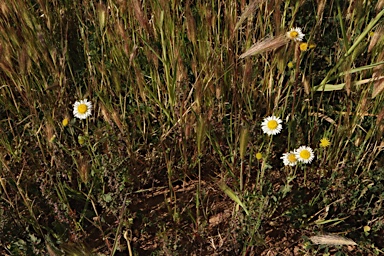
(210, 127)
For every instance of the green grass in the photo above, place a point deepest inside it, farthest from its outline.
(166, 164)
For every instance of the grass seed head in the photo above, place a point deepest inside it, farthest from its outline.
(265, 45)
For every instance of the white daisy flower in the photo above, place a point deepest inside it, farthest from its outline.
(304, 154)
(271, 125)
(289, 159)
(82, 109)
(295, 34)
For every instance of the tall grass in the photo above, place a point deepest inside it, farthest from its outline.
(166, 163)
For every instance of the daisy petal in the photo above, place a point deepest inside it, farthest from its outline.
(82, 109)
(304, 154)
(271, 125)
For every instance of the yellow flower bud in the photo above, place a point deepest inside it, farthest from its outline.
(81, 139)
(303, 47)
(65, 122)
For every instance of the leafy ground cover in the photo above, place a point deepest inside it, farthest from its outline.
(173, 154)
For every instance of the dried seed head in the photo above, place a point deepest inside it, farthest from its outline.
(306, 84)
(320, 11)
(376, 36)
(101, 13)
(191, 24)
(331, 240)
(105, 114)
(379, 5)
(265, 45)
(140, 16)
(251, 8)
(84, 171)
(50, 132)
(116, 119)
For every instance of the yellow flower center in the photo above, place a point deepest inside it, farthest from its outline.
(293, 34)
(272, 124)
(290, 64)
(82, 108)
(291, 158)
(305, 154)
(259, 156)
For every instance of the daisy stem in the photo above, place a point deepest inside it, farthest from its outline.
(264, 165)
(324, 156)
(243, 148)
(305, 176)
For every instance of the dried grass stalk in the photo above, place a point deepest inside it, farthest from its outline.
(380, 117)
(265, 45)
(307, 86)
(380, 5)
(141, 18)
(331, 240)
(378, 72)
(251, 8)
(325, 117)
(378, 87)
(320, 11)
(348, 82)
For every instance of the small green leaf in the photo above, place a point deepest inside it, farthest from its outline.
(107, 197)
(233, 196)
